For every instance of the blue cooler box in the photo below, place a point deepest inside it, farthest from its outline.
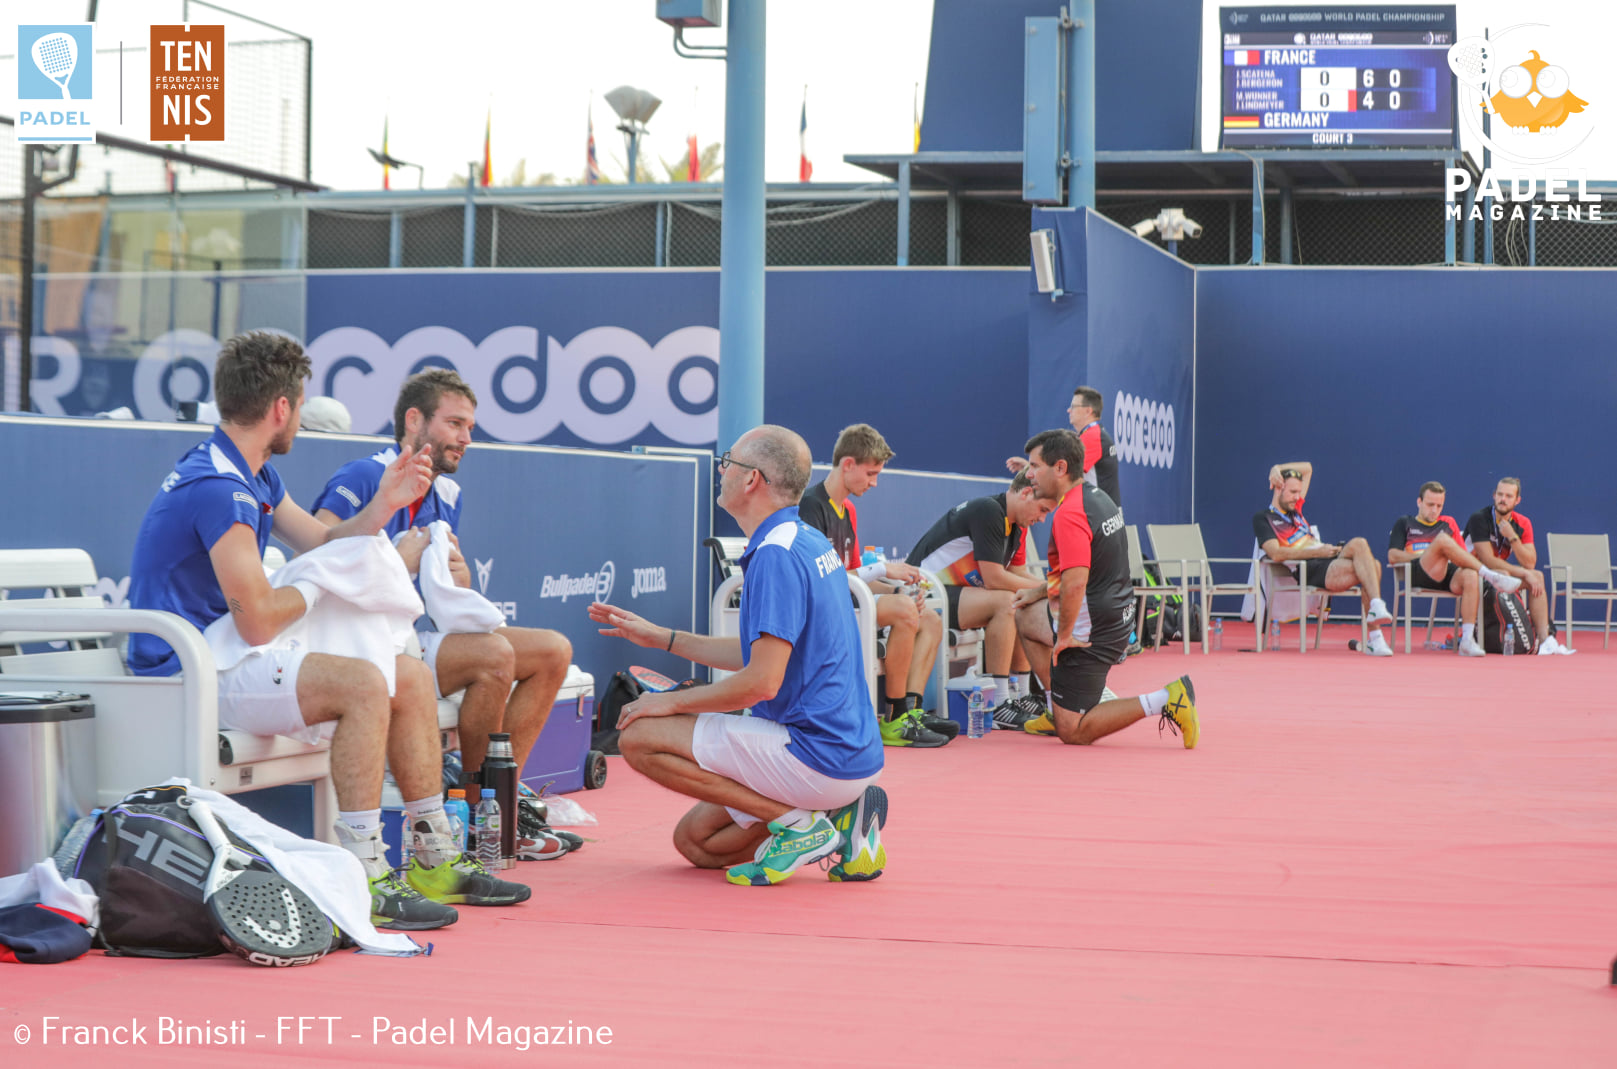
(562, 761)
(960, 690)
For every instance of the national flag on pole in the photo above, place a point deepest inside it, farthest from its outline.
(592, 166)
(693, 164)
(917, 116)
(805, 169)
(488, 160)
(387, 172)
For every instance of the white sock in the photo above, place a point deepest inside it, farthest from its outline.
(1002, 690)
(1155, 702)
(1468, 633)
(364, 822)
(1024, 683)
(798, 819)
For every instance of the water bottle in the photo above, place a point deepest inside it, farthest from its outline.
(1509, 644)
(977, 712)
(406, 843)
(460, 816)
(500, 773)
(1218, 632)
(488, 830)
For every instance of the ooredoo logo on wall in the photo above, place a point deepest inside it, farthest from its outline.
(1143, 430)
(188, 83)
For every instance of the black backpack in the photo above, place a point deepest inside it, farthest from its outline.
(620, 690)
(1171, 607)
(1501, 613)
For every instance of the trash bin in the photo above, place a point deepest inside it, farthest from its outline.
(47, 772)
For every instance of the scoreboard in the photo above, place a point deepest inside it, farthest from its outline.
(1353, 77)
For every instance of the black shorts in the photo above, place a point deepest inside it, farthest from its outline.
(952, 592)
(1317, 569)
(1078, 676)
(1421, 581)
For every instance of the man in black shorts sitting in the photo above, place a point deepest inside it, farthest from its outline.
(978, 551)
(1500, 533)
(1089, 610)
(1432, 541)
(1286, 537)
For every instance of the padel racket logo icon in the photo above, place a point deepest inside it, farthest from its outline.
(55, 102)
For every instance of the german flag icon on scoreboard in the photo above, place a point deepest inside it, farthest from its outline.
(1240, 122)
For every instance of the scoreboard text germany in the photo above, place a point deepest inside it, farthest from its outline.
(1363, 77)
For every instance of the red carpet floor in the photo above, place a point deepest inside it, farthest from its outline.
(1366, 862)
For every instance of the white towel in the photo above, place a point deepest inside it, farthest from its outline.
(43, 884)
(362, 605)
(328, 874)
(455, 610)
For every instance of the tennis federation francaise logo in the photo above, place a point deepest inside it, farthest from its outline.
(188, 83)
(55, 99)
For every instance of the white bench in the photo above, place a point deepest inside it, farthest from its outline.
(147, 728)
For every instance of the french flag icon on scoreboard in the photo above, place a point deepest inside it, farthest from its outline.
(1245, 58)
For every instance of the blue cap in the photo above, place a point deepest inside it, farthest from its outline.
(488, 792)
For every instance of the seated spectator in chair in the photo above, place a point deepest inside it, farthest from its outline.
(1089, 609)
(1287, 538)
(915, 634)
(1498, 533)
(794, 782)
(434, 415)
(199, 553)
(1100, 452)
(1431, 541)
(978, 551)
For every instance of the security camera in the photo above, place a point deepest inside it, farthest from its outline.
(1169, 225)
(1193, 229)
(1145, 227)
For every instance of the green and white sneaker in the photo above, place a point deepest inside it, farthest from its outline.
(397, 906)
(860, 854)
(908, 730)
(465, 882)
(786, 851)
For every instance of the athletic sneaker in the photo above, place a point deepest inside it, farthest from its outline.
(1500, 581)
(543, 845)
(533, 819)
(1011, 715)
(786, 851)
(1549, 647)
(398, 906)
(464, 881)
(1180, 712)
(939, 725)
(1040, 725)
(860, 854)
(907, 730)
(1469, 647)
(1379, 613)
(1377, 646)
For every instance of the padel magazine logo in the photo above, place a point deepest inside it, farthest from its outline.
(55, 92)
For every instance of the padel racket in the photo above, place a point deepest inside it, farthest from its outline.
(263, 919)
(56, 55)
(654, 681)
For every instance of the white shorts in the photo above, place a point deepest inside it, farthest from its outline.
(752, 751)
(260, 696)
(430, 641)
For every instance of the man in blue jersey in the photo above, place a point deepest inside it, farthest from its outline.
(435, 413)
(199, 554)
(795, 781)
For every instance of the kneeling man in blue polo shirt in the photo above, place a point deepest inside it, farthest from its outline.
(795, 781)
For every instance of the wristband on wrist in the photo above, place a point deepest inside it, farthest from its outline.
(671, 635)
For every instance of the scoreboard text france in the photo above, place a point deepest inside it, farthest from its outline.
(1360, 78)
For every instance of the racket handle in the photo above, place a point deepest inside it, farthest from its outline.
(202, 813)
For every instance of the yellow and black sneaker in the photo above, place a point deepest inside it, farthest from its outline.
(906, 729)
(1040, 725)
(465, 882)
(1180, 712)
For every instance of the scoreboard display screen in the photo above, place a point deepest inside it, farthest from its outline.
(1337, 77)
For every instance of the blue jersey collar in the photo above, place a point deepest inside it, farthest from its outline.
(774, 520)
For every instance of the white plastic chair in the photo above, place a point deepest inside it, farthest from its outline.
(1402, 587)
(1181, 556)
(1582, 559)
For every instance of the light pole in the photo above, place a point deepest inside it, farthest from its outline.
(634, 108)
(393, 161)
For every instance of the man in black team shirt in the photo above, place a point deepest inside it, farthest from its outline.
(1089, 608)
(1432, 541)
(1100, 452)
(1286, 537)
(978, 550)
(912, 641)
(1498, 533)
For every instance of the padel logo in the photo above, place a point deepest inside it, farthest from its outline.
(188, 83)
(1537, 120)
(55, 93)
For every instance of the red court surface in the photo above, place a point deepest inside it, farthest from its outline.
(1366, 862)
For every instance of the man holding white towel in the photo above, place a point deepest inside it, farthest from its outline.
(435, 414)
(199, 554)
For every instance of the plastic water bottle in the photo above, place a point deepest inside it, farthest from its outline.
(406, 843)
(1218, 632)
(1509, 644)
(460, 815)
(977, 712)
(488, 830)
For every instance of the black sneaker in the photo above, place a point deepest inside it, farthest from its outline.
(940, 725)
(531, 824)
(1010, 715)
(398, 906)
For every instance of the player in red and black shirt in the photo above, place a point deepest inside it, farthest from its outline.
(1287, 537)
(1431, 541)
(1100, 452)
(1085, 624)
(856, 461)
(1499, 533)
